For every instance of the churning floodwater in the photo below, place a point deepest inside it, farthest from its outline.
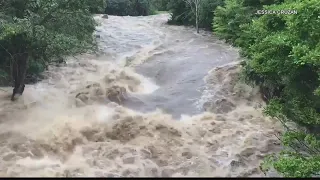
(157, 101)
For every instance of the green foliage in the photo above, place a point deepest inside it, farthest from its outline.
(98, 6)
(232, 19)
(181, 13)
(302, 160)
(35, 68)
(46, 30)
(283, 57)
(160, 5)
(294, 165)
(207, 12)
(129, 7)
(4, 77)
(283, 53)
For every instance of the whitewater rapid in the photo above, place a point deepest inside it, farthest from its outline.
(182, 110)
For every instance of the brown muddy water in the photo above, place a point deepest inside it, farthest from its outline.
(182, 112)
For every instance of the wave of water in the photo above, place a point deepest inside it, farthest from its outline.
(68, 126)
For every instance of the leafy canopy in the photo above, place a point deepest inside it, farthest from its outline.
(46, 29)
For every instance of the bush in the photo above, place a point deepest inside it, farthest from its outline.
(129, 7)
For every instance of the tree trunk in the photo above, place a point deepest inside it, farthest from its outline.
(19, 70)
(197, 24)
(197, 16)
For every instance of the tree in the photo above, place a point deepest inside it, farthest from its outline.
(36, 33)
(283, 57)
(195, 7)
(232, 19)
(182, 14)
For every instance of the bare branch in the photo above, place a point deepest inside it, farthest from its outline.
(194, 5)
(190, 3)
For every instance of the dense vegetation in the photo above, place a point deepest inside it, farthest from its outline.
(44, 31)
(160, 5)
(283, 58)
(181, 12)
(129, 7)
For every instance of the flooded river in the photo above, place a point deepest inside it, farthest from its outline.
(157, 101)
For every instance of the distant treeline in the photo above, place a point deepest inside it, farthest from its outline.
(129, 7)
(180, 11)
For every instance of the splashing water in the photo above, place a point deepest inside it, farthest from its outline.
(182, 110)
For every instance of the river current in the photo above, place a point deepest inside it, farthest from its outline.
(181, 110)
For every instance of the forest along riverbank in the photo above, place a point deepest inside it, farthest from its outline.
(67, 126)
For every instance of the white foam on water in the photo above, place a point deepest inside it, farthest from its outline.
(148, 86)
(58, 136)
